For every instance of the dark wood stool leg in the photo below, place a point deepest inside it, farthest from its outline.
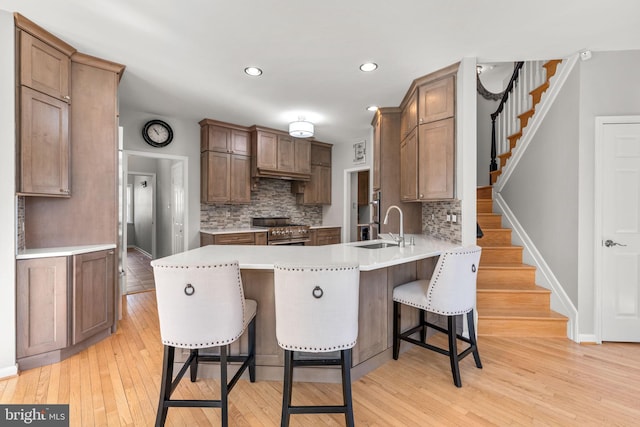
(165, 385)
(252, 350)
(396, 329)
(287, 388)
(193, 366)
(453, 351)
(224, 392)
(423, 326)
(346, 386)
(472, 338)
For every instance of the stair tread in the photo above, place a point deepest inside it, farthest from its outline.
(514, 247)
(515, 287)
(510, 313)
(506, 265)
(495, 229)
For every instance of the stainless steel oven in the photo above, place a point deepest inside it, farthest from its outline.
(280, 231)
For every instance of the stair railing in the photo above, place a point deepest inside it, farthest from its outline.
(505, 97)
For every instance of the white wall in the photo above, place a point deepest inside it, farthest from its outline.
(542, 191)
(609, 86)
(7, 195)
(186, 142)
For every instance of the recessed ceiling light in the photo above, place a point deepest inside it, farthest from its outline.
(368, 66)
(372, 108)
(253, 71)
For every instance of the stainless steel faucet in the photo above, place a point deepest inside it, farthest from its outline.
(400, 238)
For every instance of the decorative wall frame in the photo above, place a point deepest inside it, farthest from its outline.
(359, 151)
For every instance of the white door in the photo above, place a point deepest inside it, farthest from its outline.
(620, 210)
(177, 207)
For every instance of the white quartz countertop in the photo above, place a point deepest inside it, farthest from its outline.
(62, 251)
(264, 257)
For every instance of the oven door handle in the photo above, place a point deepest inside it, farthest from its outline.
(288, 242)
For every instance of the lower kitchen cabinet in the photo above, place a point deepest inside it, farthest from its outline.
(248, 238)
(41, 305)
(93, 294)
(324, 236)
(61, 303)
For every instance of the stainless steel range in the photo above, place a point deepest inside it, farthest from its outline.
(280, 231)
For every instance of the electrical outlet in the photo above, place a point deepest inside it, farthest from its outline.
(454, 218)
(448, 216)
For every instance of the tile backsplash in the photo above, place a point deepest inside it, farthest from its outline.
(434, 220)
(273, 197)
(20, 240)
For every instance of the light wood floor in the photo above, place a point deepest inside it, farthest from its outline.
(139, 272)
(524, 382)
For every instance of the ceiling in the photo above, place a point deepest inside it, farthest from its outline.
(185, 59)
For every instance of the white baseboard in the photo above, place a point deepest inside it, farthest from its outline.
(9, 371)
(588, 339)
(560, 301)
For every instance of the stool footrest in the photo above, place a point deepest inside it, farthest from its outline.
(192, 403)
(317, 409)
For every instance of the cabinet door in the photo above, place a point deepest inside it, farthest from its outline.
(44, 68)
(93, 294)
(436, 159)
(215, 138)
(409, 116)
(240, 179)
(214, 175)
(409, 167)
(44, 144)
(206, 239)
(302, 156)
(436, 100)
(260, 238)
(320, 154)
(266, 150)
(41, 305)
(323, 186)
(286, 153)
(240, 142)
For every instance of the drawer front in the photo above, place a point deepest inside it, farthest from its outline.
(235, 239)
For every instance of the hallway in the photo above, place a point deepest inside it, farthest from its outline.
(139, 272)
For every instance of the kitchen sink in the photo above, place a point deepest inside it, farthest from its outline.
(379, 245)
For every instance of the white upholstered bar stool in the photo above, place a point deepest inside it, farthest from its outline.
(450, 292)
(317, 312)
(202, 306)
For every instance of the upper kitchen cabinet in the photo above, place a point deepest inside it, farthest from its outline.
(225, 167)
(275, 154)
(436, 100)
(316, 191)
(44, 94)
(409, 116)
(44, 153)
(45, 63)
(427, 152)
(224, 138)
(386, 171)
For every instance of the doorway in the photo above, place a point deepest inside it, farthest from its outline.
(357, 213)
(170, 191)
(617, 229)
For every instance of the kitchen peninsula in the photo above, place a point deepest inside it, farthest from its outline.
(380, 271)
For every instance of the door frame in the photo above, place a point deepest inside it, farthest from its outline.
(601, 122)
(173, 223)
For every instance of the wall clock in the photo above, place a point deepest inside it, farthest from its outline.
(157, 133)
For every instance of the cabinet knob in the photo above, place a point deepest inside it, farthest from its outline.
(421, 119)
(422, 196)
(67, 97)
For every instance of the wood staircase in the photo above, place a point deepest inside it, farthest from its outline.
(509, 303)
(523, 119)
